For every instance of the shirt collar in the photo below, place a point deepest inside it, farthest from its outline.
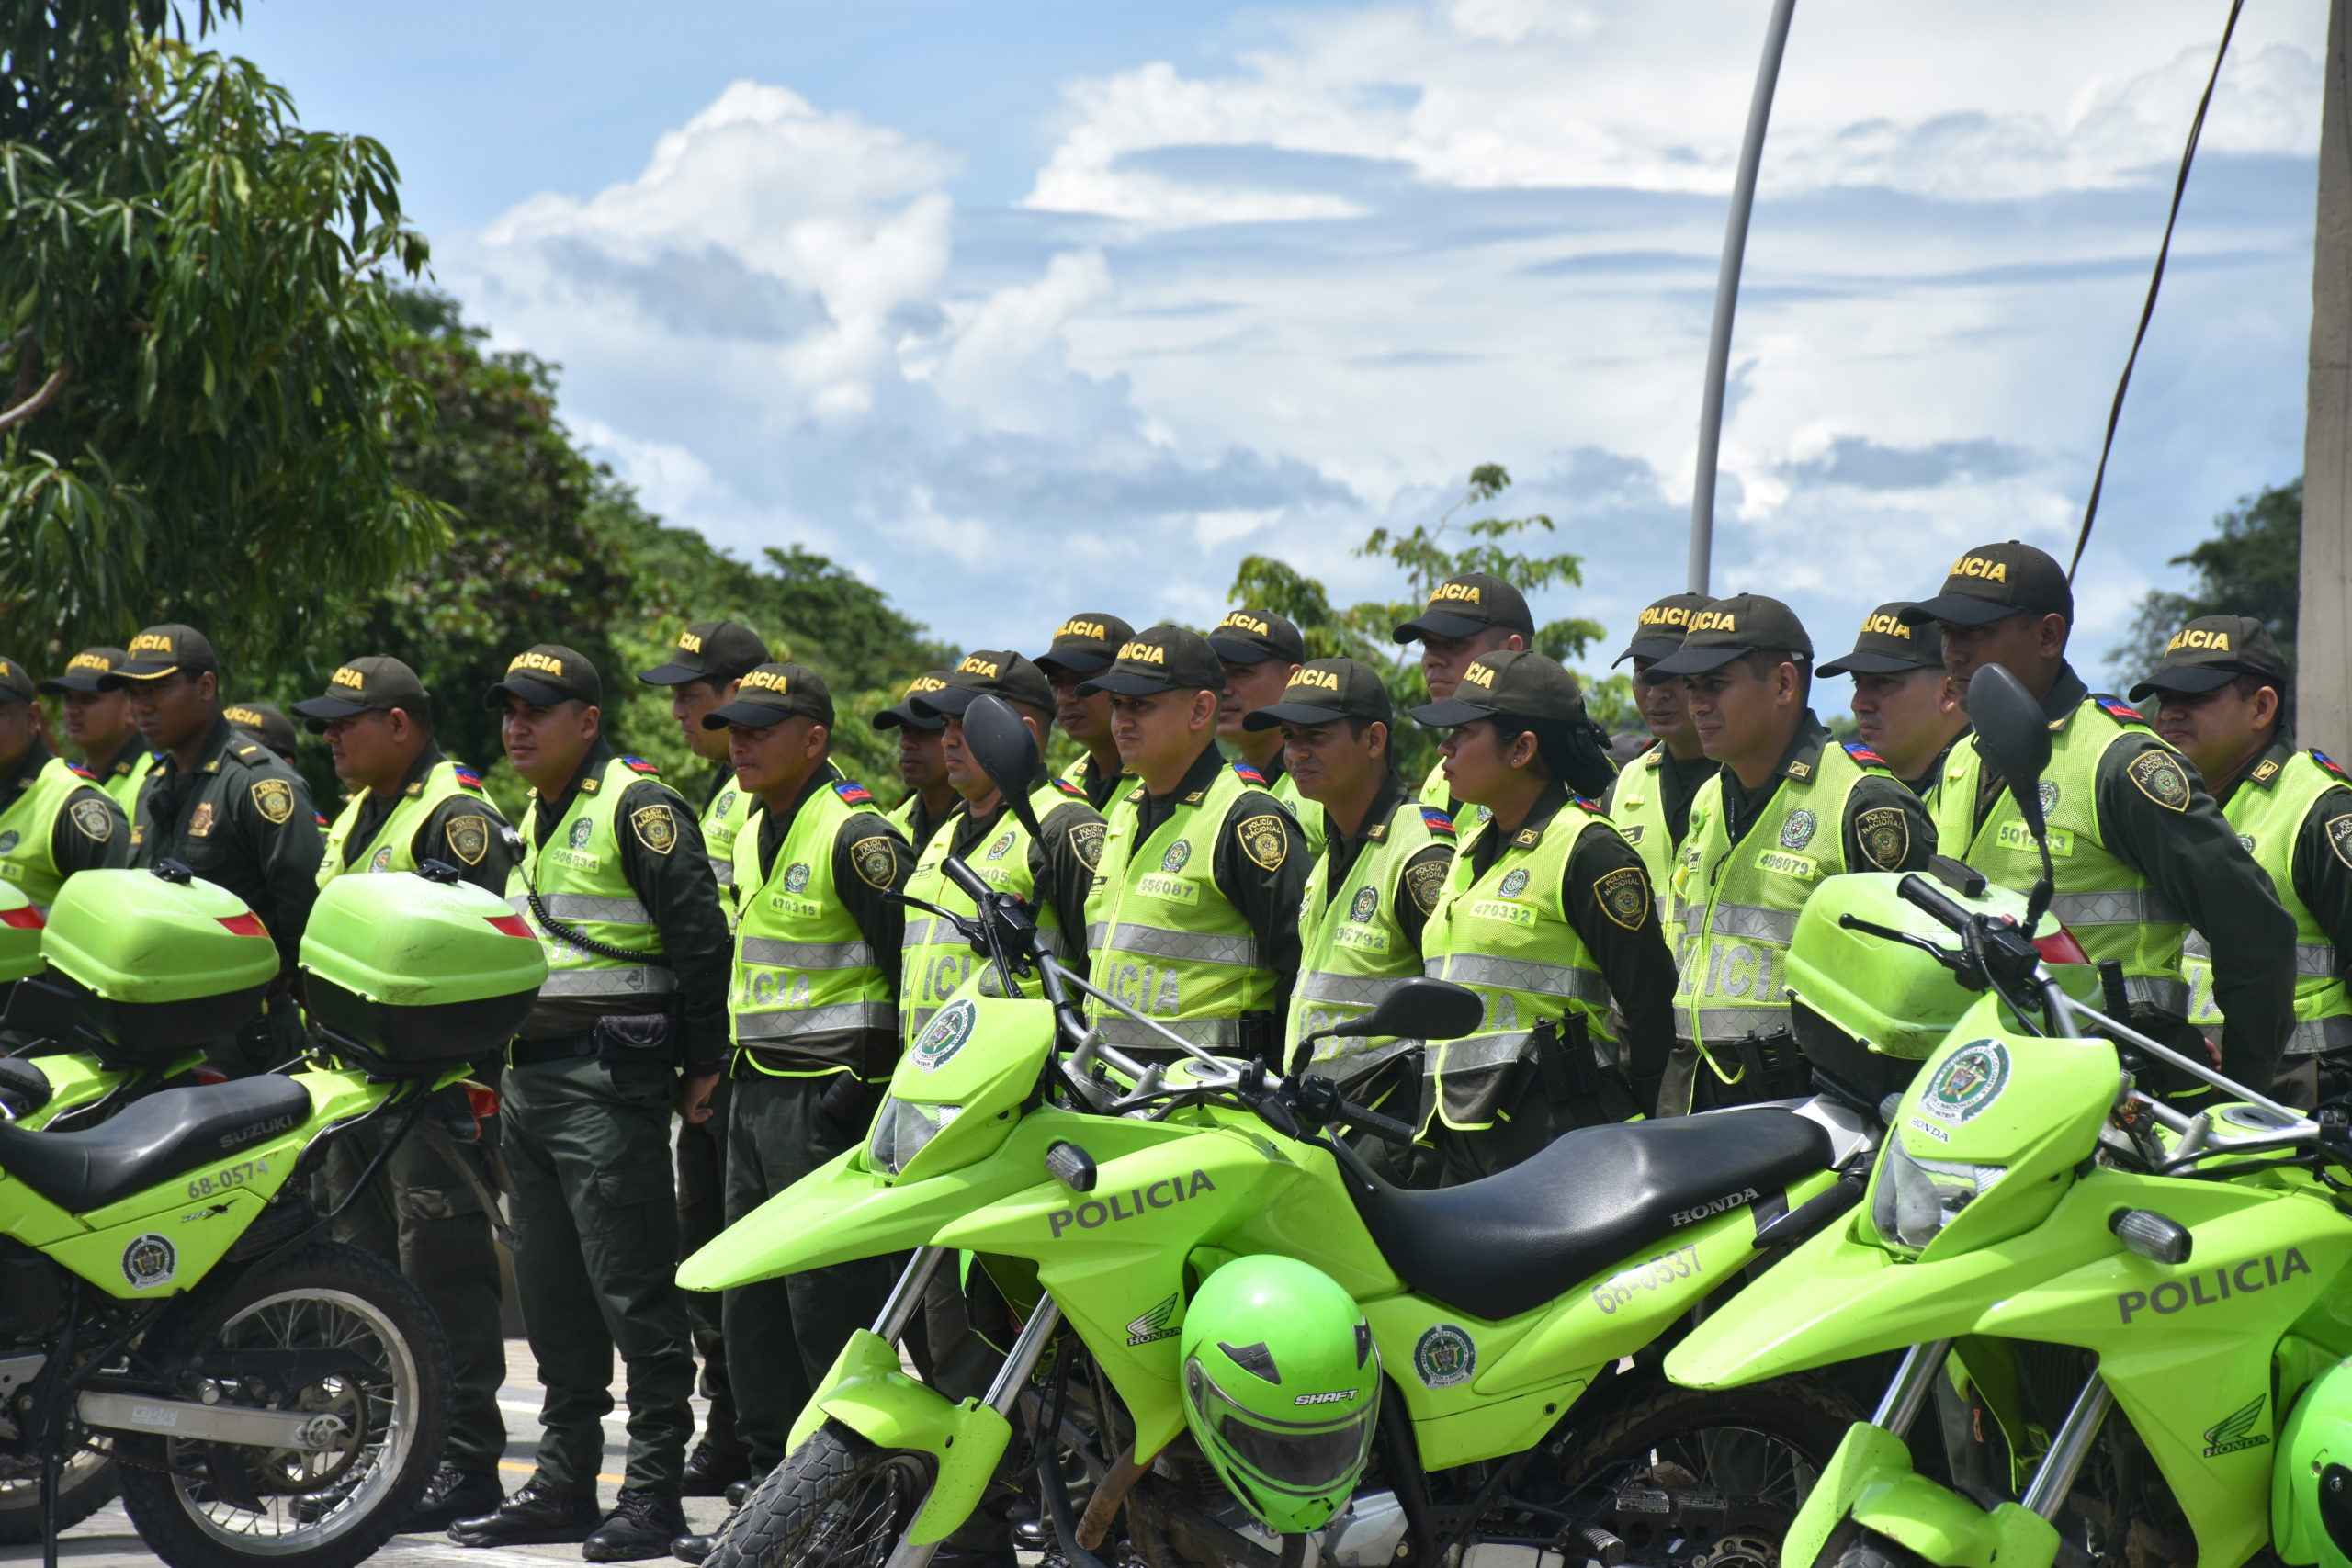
(1377, 816)
(125, 758)
(825, 777)
(28, 767)
(1197, 778)
(412, 783)
(1539, 815)
(2268, 767)
(223, 735)
(2065, 694)
(1803, 759)
(592, 766)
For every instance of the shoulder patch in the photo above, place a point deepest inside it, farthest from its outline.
(2339, 837)
(2122, 712)
(321, 818)
(1885, 833)
(79, 772)
(469, 838)
(1863, 754)
(1069, 789)
(1591, 807)
(1086, 839)
(2159, 776)
(1249, 774)
(656, 827)
(247, 752)
(1437, 822)
(2325, 760)
(466, 777)
(1266, 840)
(1624, 897)
(874, 860)
(854, 793)
(92, 819)
(1424, 883)
(274, 798)
(639, 765)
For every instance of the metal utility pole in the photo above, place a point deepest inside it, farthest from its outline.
(1743, 200)
(2323, 622)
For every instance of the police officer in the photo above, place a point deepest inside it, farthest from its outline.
(1548, 915)
(1371, 886)
(227, 808)
(1194, 916)
(2222, 697)
(814, 1006)
(923, 768)
(409, 804)
(1905, 706)
(1467, 615)
(54, 820)
(705, 667)
(1261, 651)
(264, 722)
(614, 883)
(100, 725)
(1085, 644)
(1650, 800)
(1790, 807)
(2148, 854)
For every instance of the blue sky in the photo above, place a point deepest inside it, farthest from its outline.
(1030, 308)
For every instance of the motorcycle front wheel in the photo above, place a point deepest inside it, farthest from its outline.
(835, 1502)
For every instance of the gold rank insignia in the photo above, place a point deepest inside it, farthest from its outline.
(469, 839)
(656, 828)
(1885, 836)
(2263, 769)
(274, 798)
(92, 817)
(199, 821)
(1624, 897)
(1263, 840)
(2159, 778)
(1799, 769)
(873, 860)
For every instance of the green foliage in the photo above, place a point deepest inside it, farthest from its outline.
(2251, 566)
(197, 382)
(1426, 556)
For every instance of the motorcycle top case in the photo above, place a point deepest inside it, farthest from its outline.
(156, 966)
(418, 975)
(20, 926)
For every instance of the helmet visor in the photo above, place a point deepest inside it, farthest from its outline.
(1302, 1458)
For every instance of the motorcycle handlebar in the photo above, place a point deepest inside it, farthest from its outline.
(1918, 892)
(1384, 1127)
(964, 878)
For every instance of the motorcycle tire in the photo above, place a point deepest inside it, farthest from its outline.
(836, 1499)
(201, 1505)
(90, 1482)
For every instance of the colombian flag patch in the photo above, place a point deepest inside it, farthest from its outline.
(2325, 760)
(79, 772)
(1437, 822)
(466, 778)
(1069, 789)
(2122, 713)
(852, 791)
(639, 765)
(1863, 754)
(1249, 774)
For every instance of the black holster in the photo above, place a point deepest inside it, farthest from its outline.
(1259, 1035)
(641, 1039)
(1772, 1067)
(1572, 1079)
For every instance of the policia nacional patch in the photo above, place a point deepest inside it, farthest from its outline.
(92, 820)
(2158, 776)
(2339, 838)
(469, 838)
(274, 798)
(656, 828)
(1425, 882)
(1086, 837)
(1624, 897)
(1885, 836)
(873, 860)
(1263, 840)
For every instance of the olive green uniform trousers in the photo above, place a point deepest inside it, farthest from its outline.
(702, 1214)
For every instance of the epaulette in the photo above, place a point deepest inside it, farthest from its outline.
(1249, 774)
(466, 778)
(2325, 760)
(854, 792)
(248, 752)
(1437, 822)
(79, 772)
(2120, 711)
(1863, 754)
(1069, 789)
(639, 765)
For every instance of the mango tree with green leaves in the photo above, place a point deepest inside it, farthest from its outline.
(1426, 555)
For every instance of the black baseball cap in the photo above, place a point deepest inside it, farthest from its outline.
(87, 671)
(547, 674)
(906, 712)
(376, 683)
(1514, 681)
(1993, 581)
(1467, 603)
(709, 650)
(1159, 658)
(265, 723)
(1744, 622)
(988, 672)
(1323, 689)
(772, 693)
(17, 683)
(160, 651)
(1086, 643)
(1659, 630)
(2212, 651)
(1252, 637)
(1887, 645)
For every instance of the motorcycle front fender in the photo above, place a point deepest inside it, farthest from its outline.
(1870, 1481)
(867, 1391)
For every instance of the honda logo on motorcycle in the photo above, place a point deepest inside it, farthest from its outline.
(2231, 1279)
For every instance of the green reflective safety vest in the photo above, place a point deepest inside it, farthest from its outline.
(1638, 807)
(802, 966)
(1736, 905)
(1307, 814)
(720, 821)
(1507, 936)
(127, 778)
(935, 961)
(2101, 898)
(1353, 951)
(395, 840)
(1165, 941)
(580, 882)
(27, 845)
(2269, 819)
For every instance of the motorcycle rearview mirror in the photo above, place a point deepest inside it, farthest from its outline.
(2012, 734)
(1006, 751)
(1419, 1008)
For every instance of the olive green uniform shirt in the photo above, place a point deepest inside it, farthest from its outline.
(1743, 807)
(482, 824)
(243, 818)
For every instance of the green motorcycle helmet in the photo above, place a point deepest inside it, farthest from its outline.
(1282, 1387)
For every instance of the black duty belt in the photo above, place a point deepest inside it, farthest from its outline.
(554, 1048)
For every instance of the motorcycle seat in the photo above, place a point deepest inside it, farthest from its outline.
(1586, 1203)
(169, 1131)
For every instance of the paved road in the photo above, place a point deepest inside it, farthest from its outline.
(105, 1540)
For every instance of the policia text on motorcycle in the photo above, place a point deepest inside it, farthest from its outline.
(2222, 695)
(612, 879)
(2141, 853)
(1790, 807)
(1548, 915)
(411, 804)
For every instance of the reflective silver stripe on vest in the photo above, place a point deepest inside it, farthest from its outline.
(1356, 1064)
(783, 1023)
(1209, 1033)
(723, 868)
(1184, 947)
(1345, 990)
(1094, 935)
(807, 955)
(1521, 974)
(1475, 1051)
(2118, 908)
(922, 930)
(2313, 960)
(586, 907)
(2158, 991)
(2316, 1034)
(1757, 923)
(640, 982)
(1726, 1026)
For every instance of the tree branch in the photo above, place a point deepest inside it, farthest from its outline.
(38, 402)
(22, 337)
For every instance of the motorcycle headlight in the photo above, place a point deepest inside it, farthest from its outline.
(900, 1130)
(1918, 1197)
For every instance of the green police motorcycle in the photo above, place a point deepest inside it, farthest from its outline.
(2133, 1323)
(1513, 1324)
(169, 1312)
